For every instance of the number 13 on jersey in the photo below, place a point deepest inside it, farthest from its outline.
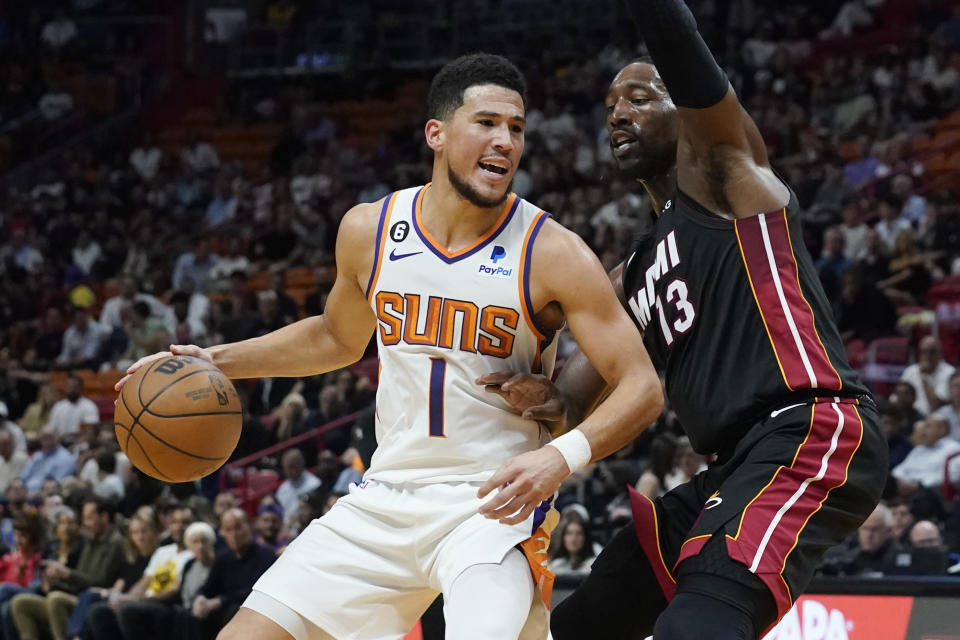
(438, 372)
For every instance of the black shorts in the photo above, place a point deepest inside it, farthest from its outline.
(755, 526)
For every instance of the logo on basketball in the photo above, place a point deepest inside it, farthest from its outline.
(173, 365)
(220, 390)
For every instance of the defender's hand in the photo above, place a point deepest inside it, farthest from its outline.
(534, 396)
(524, 482)
(175, 350)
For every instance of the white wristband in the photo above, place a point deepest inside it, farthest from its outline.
(575, 449)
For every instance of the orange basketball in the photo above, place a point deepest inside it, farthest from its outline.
(178, 418)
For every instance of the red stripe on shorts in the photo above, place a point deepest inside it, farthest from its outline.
(648, 533)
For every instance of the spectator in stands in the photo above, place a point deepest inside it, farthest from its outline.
(293, 417)
(19, 568)
(47, 344)
(74, 411)
(571, 546)
(195, 265)
(315, 301)
(854, 232)
(145, 159)
(875, 552)
(142, 329)
(86, 252)
(12, 461)
(19, 565)
(101, 558)
(929, 376)
(59, 32)
(37, 414)
(93, 618)
(108, 484)
(22, 254)
(67, 543)
(951, 410)
(223, 501)
(299, 482)
(913, 206)
(198, 156)
(9, 426)
(111, 316)
(150, 619)
(268, 527)
(900, 445)
(890, 224)
(663, 451)
(833, 262)
(926, 541)
(286, 305)
(903, 519)
(911, 272)
(81, 342)
(52, 460)
(234, 258)
(861, 310)
(233, 573)
(875, 260)
(55, 103)
(903, 400)
(223, 205)
(923, 468)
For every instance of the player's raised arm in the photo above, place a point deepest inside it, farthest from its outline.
(313, 345)
(721, 158)
(566, 272)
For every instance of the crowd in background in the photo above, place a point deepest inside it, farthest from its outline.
(126, 249)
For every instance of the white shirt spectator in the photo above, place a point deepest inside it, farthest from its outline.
(953, 419)
(58, 32)
(66, 417)
(854, 240)
(85, 257)
(81, 345)
(939, 381)
(288, 493)
(11, 469)
(55, 104)
(924, 463)
(146, 161)
(200, 157)
(888, 230)
(165, 569)
(110, 316)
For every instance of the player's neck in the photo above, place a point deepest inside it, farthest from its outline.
(452, 220)
(660, 188)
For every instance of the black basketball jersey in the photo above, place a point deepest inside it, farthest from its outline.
(734, 317)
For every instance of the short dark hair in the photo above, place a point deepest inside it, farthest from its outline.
(450, 83)
(103, 505)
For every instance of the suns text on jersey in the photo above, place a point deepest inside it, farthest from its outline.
(407, 318)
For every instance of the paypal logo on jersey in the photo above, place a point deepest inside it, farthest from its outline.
(501, 271)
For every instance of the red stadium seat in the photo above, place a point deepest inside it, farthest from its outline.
(886, 360)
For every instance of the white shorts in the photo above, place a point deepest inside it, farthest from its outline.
(371, 566)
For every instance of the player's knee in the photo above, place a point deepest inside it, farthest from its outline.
(692, 616)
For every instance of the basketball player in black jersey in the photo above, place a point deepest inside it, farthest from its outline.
(737, 323)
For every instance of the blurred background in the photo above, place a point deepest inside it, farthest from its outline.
(176, 172)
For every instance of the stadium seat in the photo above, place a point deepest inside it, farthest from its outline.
(886, 360)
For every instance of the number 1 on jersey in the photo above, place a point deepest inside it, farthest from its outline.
(438, 372)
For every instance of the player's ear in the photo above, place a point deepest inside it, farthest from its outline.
(434, 133)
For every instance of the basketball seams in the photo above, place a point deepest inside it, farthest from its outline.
(192, 415)
(145, 409)
(130, 435)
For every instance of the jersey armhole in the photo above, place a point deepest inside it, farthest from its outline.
(381, 242)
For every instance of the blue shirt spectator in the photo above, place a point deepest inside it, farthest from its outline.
(52, 460)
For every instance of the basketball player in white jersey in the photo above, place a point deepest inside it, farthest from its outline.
(458, 278)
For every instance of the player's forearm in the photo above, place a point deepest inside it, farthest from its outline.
(304, 348)
(682, 58)
(580, 386)
(634, 403)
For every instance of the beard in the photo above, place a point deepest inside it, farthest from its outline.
(470, 194)
(646, 165)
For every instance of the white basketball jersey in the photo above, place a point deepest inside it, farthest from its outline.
(444, 319)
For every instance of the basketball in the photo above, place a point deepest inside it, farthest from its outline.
(178, 418)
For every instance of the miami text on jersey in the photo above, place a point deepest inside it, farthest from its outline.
(676, 292)
(406, 318)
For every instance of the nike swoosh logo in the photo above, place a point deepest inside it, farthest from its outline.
(774, 414)
(400, 256)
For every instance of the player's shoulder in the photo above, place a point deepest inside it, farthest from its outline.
(556, 242)
(360, 224)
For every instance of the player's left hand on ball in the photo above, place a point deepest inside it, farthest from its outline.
(523, 482)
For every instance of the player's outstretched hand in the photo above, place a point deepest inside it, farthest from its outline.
(534, 396)
(175, 350)
(524, 482)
